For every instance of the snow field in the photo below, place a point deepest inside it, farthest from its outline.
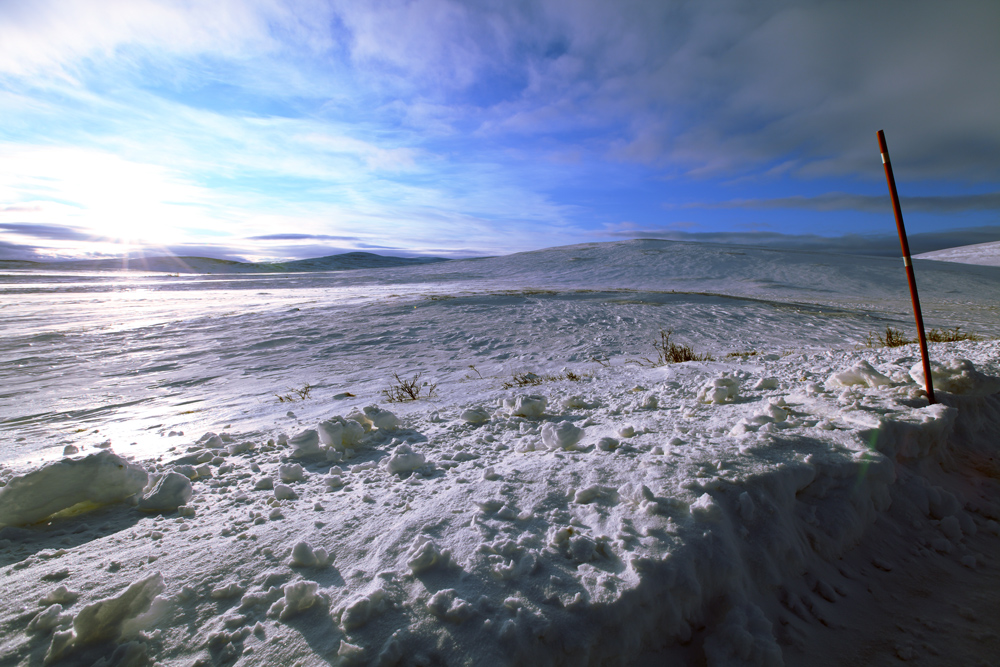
(131, 363)
(697, 510)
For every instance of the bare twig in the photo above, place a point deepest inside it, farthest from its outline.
(407, 390)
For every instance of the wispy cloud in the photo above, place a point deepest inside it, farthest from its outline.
(303, 237)
(51, 232)
(842, 201)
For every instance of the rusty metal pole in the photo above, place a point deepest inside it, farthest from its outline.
(908, 263)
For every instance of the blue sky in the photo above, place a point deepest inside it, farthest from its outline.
(287, 129)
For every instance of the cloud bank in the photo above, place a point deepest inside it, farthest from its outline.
(500, 126)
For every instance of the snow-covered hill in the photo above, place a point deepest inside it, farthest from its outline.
(984, 254)
(552, 497)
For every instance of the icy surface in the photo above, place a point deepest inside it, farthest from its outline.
(555, 499)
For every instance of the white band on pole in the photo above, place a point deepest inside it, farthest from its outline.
(907, 262)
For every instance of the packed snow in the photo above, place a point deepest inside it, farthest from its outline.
(551, 497)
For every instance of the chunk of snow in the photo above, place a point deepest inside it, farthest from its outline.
(425, 555)
(304, 555)
(706, 509)
(293, 472)
(381, 419)
(445, 605)
(350, 654)
(284, 492)
(529, 407)
(766, 383)
(227, 591)
(723, 389)
(578, 403)
(240, 448)
(404, 459)
(305, 444)
(210, 441)
(298, 597)
(475, 415)
(97, 479)
(48, 619)
(60, 595)
(340, 433)
(862, 373)
(563, 435)
(608, 444)
(170, 492)
(595, 492)
(105, 619)
(359, 611)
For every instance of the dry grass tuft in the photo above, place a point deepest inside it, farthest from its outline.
(403, 390)
(524, 379)
(895, 338)
(669, 352)
(295, 394)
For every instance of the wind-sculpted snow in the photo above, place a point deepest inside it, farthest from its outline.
(555, 499)
(134, 358)
(582, 523)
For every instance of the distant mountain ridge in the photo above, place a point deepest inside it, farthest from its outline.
(341, 262)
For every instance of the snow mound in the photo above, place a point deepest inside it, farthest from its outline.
(957, 376)
(70, 484)
(862, 373)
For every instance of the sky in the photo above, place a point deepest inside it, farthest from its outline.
(286, 129)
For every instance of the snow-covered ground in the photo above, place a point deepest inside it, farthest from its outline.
(799, 504)
(985, 254)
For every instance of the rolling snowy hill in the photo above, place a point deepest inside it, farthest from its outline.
(985, 254)
(207, 468)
